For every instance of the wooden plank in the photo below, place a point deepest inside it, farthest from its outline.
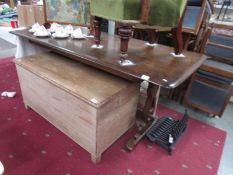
(12, 4)
(116, 117)
(39, 14)
(69, 114)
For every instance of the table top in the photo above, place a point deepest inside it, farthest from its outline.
(157, 63)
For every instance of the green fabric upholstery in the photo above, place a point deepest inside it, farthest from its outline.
(117, 10)
(166, 13)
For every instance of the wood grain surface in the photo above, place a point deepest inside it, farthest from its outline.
(62, 91)
(156, 62)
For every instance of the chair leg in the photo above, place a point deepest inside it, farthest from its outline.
(187, 40)
(178, 40)
(151, 36)
(125, 31)
(97, 32)
(177, 35)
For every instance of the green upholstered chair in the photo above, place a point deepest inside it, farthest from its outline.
(126, 11)
(165, 13)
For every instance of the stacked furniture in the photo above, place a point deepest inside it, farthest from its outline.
(196, 17)
(154, 65)
(154, 13)
(109, 115)
(211, 88)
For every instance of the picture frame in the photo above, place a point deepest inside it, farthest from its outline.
(74, 12)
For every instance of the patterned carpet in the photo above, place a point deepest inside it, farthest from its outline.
(29, 145)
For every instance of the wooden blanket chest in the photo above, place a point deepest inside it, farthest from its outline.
(90, 106)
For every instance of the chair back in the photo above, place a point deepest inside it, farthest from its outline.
(166, 13)
(218, 46)
(196, 13)
(211, 88)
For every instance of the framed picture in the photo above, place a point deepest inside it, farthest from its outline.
(75, 12)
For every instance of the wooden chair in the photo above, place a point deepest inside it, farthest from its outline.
(131, 12)
(153, 20)
(196, 16)
(125, 12)
(211, 87)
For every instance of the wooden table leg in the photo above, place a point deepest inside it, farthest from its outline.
(147, 115)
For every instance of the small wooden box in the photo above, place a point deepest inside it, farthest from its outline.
(30, 14)
(90, 106)
(39, 14)
(26, 15)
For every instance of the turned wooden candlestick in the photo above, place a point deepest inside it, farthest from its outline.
(97, 32)
(125, 31)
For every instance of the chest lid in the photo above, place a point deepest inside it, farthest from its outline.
(89, 84)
